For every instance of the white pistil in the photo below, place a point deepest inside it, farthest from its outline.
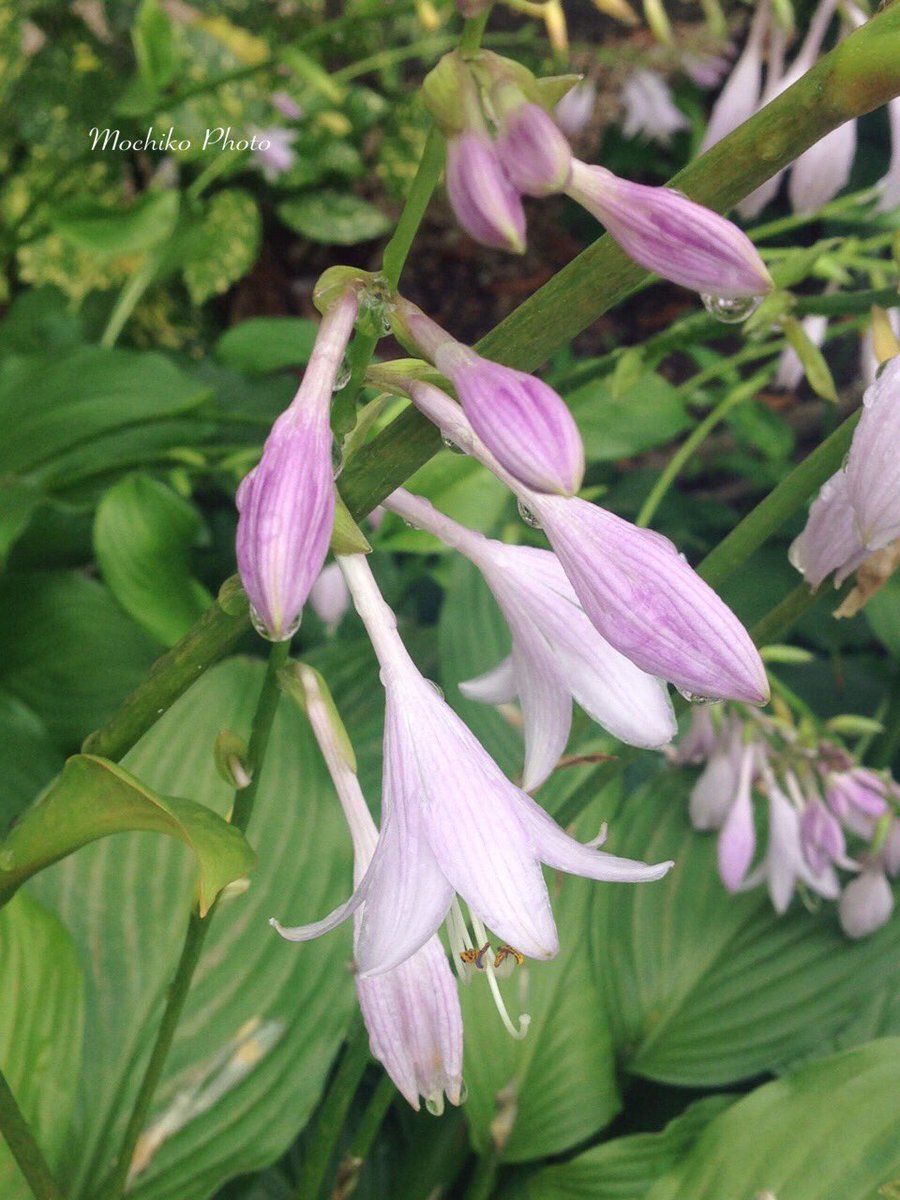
(488, 962)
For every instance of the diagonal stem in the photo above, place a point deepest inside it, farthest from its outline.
(23, 1146)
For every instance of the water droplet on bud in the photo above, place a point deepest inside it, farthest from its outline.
(435, 1104)
(528, 516)
(731, 310)
(259, 625)
(337, 458)
(450, 445)
(435, 688)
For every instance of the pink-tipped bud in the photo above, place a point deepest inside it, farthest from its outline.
(534, 151)
(483, 198)
(821, 837)
(286, 503)
(521, 420)
(675, 237)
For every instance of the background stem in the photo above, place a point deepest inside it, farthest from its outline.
(23, 1146)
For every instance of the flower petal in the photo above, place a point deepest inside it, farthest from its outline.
(497, 686)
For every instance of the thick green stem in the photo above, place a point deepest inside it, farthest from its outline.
(427, 175)
(333, 1113)
(23, 1147)
(197, 930)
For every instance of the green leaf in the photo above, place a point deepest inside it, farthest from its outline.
(94, 798)
(225, 246)
(883, 614)
(829, 1129)
(68, 651)
(30, 760)
(619, 423)
(50, 405)
(155, 47)
(335, 218)
(626, 1167)
(705, 988)
(18, 500)
(557, 1086)
(264, 1018)
(146, 223)
(41, 1027)
(267, 344)
(143, 535)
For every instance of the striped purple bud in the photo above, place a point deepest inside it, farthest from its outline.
(481, 194)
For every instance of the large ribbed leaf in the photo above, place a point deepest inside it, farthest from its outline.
(626, 1167)
(41, 1019)
(264, 1018)
(557, 1086)
(826, 1132)
(705, 988)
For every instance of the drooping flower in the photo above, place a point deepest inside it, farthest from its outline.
(557, 655)
(675, 237)
(411, 1012)
(866, 904)
(857, 511)
(277, 155)
(329, 597)
(636, 589)
(649, 108)
(714, 792)
(286, 503)
(737, 840)
(482, 196)
(739, 97)
(451, 823)
(574, 111)
(521, 419)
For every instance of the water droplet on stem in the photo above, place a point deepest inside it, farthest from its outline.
(731, 310)
(528, 516)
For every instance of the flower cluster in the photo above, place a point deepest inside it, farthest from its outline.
(503, 144)
(816, 797)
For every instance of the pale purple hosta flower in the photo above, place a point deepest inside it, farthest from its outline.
(785, 863)
(636, 589)
(286, 105)
(858, 798)
(873, 464)
(706, 70)
(649, 108)
(277, 156)
(452, 823)
(533, 150)
(521, 419)
(286, 503)
(890, 851)
(557, 655)
(790, 369)
(821, 836)
(737, 840)
(866, 904)
(857, 512)
(829, 541)
(821, 171)
(574, 111)
(329, 597)
(701, 740)
(412, 1012)
(483, 198)
(713, 795)
(740, 96)
(675, 237)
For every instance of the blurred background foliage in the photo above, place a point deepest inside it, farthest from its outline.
(156, 312)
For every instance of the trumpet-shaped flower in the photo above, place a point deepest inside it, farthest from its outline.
(675, 237)
(636, 589)
(412, 1012)
(533, 150)
(557, 655)
(739, 97)
(573, 113)
(286, 503)
(452, 823)
(737, 841)
(649, 108)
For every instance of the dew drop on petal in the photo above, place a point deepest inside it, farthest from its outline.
(731, 310)
(259, 625)
(528, 516)
(697, 698)
(435, 1104)
(463, 1092)
(435, 688)
(450, 445)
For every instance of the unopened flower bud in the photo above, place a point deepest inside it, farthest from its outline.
(533, 150)
(519, 418)
(866, 904)
(482, 196)
(574, 111)
(675, 237)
